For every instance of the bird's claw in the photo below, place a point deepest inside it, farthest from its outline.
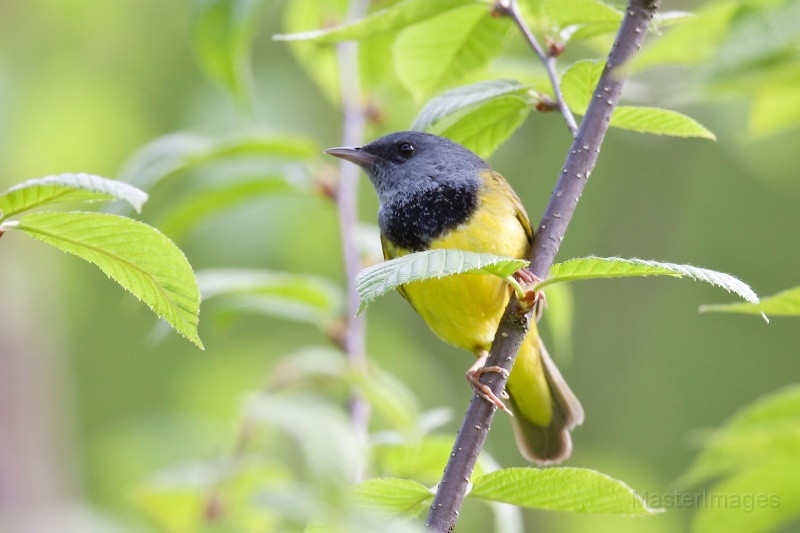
(533, 299)
(483, 390)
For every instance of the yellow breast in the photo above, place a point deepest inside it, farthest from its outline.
(465, 309)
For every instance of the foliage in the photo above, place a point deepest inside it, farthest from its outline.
(456, 66)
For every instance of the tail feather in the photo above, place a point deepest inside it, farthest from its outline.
(542, 440)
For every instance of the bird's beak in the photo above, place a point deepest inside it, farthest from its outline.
(354, 154)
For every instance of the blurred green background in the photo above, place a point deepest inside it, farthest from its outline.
(93, 399)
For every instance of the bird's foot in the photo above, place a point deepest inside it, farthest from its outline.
(482, 390)
(532, 299)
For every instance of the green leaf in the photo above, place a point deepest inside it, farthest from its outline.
(465, 97)
(319, 60)
(442, 50)
(758, 500)
(565, 489)
(658, 121)
(485, 128)
(775, 107)
(579, 82)
(379, 279)
(785, 303)
(295, 296)
(615, 267)
(398, 16)
(176, 153)
(390, 397)
(421, 459)
(133, 254)
(67, 188)
(183, 215)
(563, 13)
(693, 41)
(222, 35)
(321, 430)
(762, 431)
(391, 496)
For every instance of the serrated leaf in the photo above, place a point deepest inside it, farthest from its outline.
(442, 50)
(222, 35)
(614, 267)
(183, 215)
(464, 97)
(579, 82)
(785, 303)
(564, 13)
(67, 188)
(421, 459)
(565, 489)
(398, 16)
(313, 298)
(379, 279)
(133, 254)
(391, 496)
(485, 128)
(178, 152)
(658, 121)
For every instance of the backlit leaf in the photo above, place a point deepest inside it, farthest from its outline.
(67, 188)
(133, 254)
(379, 279)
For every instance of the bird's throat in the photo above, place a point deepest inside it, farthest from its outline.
(415, 220)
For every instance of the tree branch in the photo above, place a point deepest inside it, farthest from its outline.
(510, 8)
(354, 121)
(578, 165)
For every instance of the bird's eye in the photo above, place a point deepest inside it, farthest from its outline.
(405, 150)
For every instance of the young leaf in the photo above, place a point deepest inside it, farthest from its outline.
(222, 34)
(186, 213)
(464, 97)
(485, 128)
(658, 121)
(578, 84)
(295, 296)
(178, 152)
(440, 51)
(67, 188)
(564, 489)
(391, 496)
(379, 279)
(400, 15)
(133, 254)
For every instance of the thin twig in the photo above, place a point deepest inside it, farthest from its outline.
(511, 9)
(577, 167)
(354, 121)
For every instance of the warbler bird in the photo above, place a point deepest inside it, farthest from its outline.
(433, 194)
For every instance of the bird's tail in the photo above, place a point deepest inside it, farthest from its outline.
(545, 409)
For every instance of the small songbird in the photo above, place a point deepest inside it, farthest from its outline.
(434, 193)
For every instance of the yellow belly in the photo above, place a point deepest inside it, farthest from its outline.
(465, 309)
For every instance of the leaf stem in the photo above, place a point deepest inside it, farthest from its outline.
(579, 163)
(510, 8)
(354, 122)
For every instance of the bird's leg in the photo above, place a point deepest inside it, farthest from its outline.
(474, 375)
(532, 299)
